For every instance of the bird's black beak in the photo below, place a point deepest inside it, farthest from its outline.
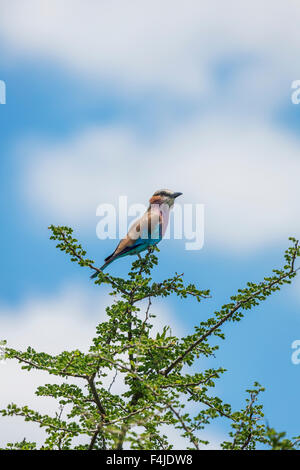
(175, 195)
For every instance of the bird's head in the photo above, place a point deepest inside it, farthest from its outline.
(164, 196)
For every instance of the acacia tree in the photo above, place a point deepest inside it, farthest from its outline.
(155, 369)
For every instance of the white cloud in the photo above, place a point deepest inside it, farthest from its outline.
(170, 45)
(52, 324)
(242, 168)
(246, 174)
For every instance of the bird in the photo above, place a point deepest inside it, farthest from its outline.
(148, 230)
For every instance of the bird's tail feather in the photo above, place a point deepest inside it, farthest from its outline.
(107, 260)
(112, 257)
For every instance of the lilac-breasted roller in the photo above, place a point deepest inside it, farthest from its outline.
(148, 230)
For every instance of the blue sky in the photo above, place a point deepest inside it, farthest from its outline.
(199, 102)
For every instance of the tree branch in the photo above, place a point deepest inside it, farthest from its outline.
(237, 306)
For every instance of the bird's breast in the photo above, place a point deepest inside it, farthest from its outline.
(159, 221)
